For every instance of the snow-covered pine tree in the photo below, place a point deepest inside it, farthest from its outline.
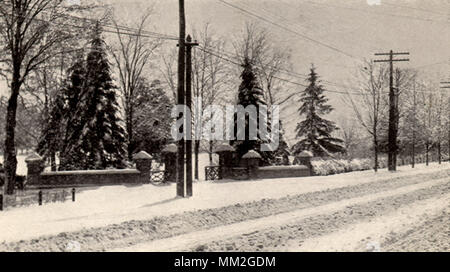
(70, 157)
(62, 127)
(250, 93)
(102, 141)
(315, 132)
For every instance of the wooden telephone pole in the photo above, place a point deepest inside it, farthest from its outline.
(184, 187)
(189, 44)
(181, 99)
(393, 109)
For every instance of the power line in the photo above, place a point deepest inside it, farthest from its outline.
(236, 62)
(414, 8)
(280, 70)
(143, 33)
(288, 29)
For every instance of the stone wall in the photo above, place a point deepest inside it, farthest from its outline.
(273, 172)
(88, 178)
(36, 178)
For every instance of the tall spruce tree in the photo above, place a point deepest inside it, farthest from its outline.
(251, 93)
(70, 157)
(62, 128)
(102, 138)
(84, 125)
(315, 132)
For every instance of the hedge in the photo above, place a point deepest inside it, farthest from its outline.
(333, 166)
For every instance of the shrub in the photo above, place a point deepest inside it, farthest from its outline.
(332, 166)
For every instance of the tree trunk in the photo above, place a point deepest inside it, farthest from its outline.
(196, 151)
(413, 161)
(129, 127)
(210, 152)
(427, 160)
(375, 151)
(10, 158)
(439, 152)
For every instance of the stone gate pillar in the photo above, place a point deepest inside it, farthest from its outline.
(35, 166)
(225, 152)
(143, 162)
(252, 160)
(305, 159)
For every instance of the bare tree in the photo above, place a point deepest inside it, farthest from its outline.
(428, 110)
(369, 103)
(273, 62)
(210, 75)
(350, 133)
(132, 55)
(29, 30)
(168, 69)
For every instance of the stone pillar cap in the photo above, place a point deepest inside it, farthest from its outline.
(171, 148)
(142, 156)
(33, 157)
(306, 154)
(224, 148)
(252, 154)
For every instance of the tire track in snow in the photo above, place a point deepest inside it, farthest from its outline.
(199, 238)
(275, 238)
(370, 235)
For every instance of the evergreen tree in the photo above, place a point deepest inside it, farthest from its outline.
(250, 93)
(86, 111)
(62, 128)
(315, 132)
(102, 141)
(70, 157)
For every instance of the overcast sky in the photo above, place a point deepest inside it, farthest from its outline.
(335, 35)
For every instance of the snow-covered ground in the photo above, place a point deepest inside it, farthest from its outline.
(116, 204)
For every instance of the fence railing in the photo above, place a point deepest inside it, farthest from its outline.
(212, 173)
(158, 176)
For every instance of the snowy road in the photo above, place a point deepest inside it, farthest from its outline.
(224, 234)
(300, 215)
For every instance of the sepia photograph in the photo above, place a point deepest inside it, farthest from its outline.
(224, 133)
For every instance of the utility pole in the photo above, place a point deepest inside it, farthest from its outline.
(189, 44)
(446, 85)
(393, 109)
(181, 99)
